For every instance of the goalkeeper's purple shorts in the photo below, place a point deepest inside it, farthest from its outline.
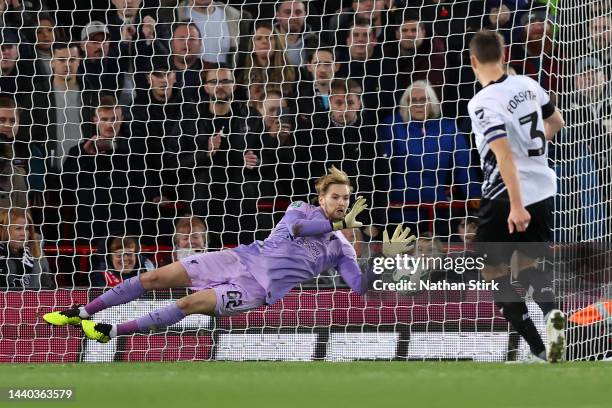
(236, 289)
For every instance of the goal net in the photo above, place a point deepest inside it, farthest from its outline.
(135, 133)
(582, 256)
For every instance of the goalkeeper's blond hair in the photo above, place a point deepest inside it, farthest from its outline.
(334, 176)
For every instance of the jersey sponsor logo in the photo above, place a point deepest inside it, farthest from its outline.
(310, 247)
(482, 120)
(296, 204)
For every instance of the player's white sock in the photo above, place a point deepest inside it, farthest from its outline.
(83, 313)
(113, 332)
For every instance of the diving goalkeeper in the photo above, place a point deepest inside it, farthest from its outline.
(305, 242)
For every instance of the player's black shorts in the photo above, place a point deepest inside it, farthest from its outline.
(494, 239)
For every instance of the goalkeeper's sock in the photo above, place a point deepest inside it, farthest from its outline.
(541, 283)
(153, 321)
(83, 313)
(126, 291)
(514, 309)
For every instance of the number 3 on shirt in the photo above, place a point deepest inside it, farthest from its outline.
(534, 133)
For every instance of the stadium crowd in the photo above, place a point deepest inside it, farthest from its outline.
(193, 124)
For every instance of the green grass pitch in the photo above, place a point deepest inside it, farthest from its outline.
(317, 385)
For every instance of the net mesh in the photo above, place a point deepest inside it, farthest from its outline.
(146, 131)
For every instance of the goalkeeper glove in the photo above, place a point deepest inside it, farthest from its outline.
(349, 219)
(399, 243)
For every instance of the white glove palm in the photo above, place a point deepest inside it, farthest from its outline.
(400, 242)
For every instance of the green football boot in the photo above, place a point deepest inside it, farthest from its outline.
(63, 318)
(99, 332)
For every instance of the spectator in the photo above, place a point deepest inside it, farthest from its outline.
(186, 48)
(455, 22)
(267, 54)
(46, 34)
(256, 90)
(56, 115)
(429, 158)
(122, 260)
(9, 125)
(13, 182)
(452, 20)
(99, 70)
(210, 152)
(270, 154)
(15, 71)
(360, 60)
(414, 57)
(27, 158)
(534, 54)
(95, 178)
(580, 157)
(427, 245)
(22, 263)
(190, 237)
(156, 115)
(132, 37)
(600, 39)
(123, 22)
(20, 15)
(55, 120)
(313, 95)
(349, 143)
(592, 111)
(374, 11)
(501, 16)
(223, 28)
(290, 23)
(465, 229)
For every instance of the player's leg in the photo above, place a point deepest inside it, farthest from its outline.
(530, 275)
(225, 288)
(169, 276)
(495, 243)
(513, 308)
(202, 302)
(536, 240)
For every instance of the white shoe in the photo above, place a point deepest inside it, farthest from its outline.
(531, 359)
(556, 322)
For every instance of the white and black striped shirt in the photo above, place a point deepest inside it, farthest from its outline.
(514, 107)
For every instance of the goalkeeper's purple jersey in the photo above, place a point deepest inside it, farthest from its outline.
(299, 248)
